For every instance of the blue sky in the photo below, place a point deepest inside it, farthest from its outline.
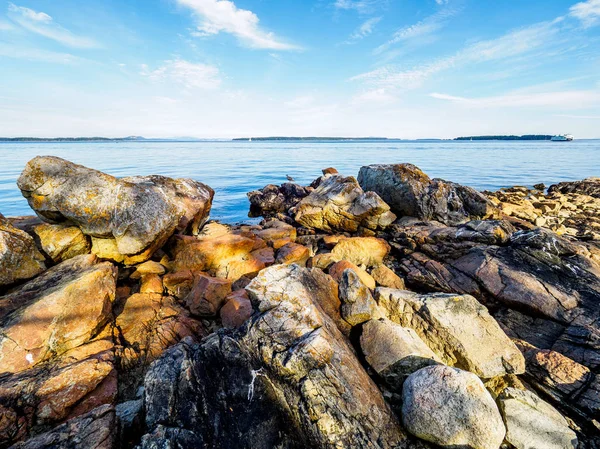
(218, 68)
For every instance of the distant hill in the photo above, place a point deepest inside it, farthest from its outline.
(525, 137)
(71, 139)
(279, 138)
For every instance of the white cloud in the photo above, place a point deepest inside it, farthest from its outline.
(188, 74)
(378, 96)
(425, 27)
(515, 43)
(365, 29)
(43, 24)
(588, 12)
(217, 16)
(361, 6)
(5, 26)
(577, 98)
(582, 117)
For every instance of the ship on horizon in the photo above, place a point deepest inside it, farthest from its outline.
(562, 138)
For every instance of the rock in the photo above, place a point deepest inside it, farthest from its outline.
(338, 204)
(19, 258)
(148, 325)
(272, 200)
(394, 352)
(451, 408)
(59, 310)
(457, 328)
(410, 192)
(95, 430)
(62, 388)
(329, 171)
(228, 256)
(367, 251)
(322, 261)
(292, 253)
(62, 242)
(149, 267)
(237, 309)
(589, 186)
(137, 215)
(299, 386)
(277, 231)
(337, 269)
(385, 277)
(151, 283)
(532, 423)
(331, 240)
(208, 295)
(358, 305)
(130, 421)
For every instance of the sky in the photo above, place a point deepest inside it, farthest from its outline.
(220, 68)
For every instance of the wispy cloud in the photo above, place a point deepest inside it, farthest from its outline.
(44, 25)
(576, 98)
(5, 26)
(364, 30)
(515, 43)
(425, 27)
(188, 74)
(34, 54)
(216, 16)
(588, 12)
(362, 6)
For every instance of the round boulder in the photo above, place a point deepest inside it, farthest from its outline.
(451, 408)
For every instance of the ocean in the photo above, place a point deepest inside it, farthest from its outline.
(234, 168)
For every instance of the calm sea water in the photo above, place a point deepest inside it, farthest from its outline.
(234, 168)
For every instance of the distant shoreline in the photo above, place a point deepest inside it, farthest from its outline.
(526, 137)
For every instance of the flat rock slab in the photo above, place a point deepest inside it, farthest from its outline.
(457, 328)
(394, 352)
(532, 423)
(59, 310)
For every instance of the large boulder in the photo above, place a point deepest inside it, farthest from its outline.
(59, 310)
(225, 253)
(457, 328)
(272, 200)
(19, 257)
(366, 251)
(394, 352)
(532, 423)
(288, 378)
(410, 192)
(131, 217)
(338, 204)
(451, 408)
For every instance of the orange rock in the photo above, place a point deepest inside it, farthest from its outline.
(236, 310)
(179, 284)
(281, 242)
(57, 311)
(151, 283)
(322, 261)
(331, 240)
(337, 269)
(293, 253)
(276, 230)
(368, 251)
(387, 278)
(208, 295)
(149, 324)
(329, 171)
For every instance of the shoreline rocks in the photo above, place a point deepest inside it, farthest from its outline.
(129, 321)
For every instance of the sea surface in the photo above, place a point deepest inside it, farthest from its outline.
(234, 168)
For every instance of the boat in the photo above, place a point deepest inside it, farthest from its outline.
(562, 138)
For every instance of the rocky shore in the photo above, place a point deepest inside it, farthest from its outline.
(390, 310)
